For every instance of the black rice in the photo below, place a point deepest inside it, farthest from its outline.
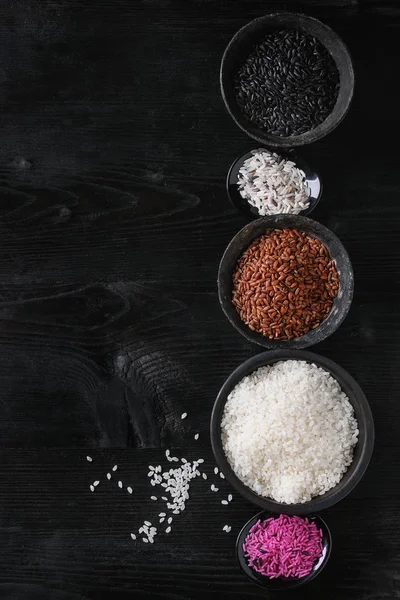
(288, 84)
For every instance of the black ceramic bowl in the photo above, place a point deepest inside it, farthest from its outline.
(283, 583)
(245, 237)
(312, 179)
(240, 46)
(362, 451)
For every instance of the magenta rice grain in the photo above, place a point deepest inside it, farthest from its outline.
(283, 547)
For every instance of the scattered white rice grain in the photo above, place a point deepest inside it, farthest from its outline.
(120, 484)
(96, 483)
(183, 460)
(108, 476)
(215, 470)
(228, 528)
(162, 514)
(153, 497)
(200, 461)
(196, 437)
(92, 488)
(169, 520)
(147, 523)
(168, 530)
(224, 501)
(222, 475)
(133, 536)
(164, 498)
(230, 498)
(204, 476)
(162, 520)
(115, 467)
(145, 540)
(130, 490)
(183, 415)
(89, 458)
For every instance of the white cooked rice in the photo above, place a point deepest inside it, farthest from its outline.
(289, 431)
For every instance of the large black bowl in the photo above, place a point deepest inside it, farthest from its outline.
(283, 583)
(240, 46)
(246, 236)
(362, 451)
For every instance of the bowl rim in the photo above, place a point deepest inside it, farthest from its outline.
(321, 130)
(292, 584)
(301, 163)
(345, 380)
(279, 222)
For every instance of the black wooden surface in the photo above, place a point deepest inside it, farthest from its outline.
(113, 216)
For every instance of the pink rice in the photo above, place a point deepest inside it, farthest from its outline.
(283, 547)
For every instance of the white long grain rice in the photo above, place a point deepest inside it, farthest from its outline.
(272, 184)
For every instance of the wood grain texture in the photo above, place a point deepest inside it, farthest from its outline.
(113, 218)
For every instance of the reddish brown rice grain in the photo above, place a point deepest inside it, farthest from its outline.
(284, 284)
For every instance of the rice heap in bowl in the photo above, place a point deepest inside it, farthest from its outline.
(289, 432)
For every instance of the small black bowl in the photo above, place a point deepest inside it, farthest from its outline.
(240, 46)
(283, 583)
(362, 451)
(312, 179)
(245, 237)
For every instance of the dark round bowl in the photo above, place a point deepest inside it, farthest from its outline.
(245, 237)
(283, 583)
(362, 451)
(240, 46)
(312, 179)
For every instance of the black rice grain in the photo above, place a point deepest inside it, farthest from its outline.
(288, 84)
